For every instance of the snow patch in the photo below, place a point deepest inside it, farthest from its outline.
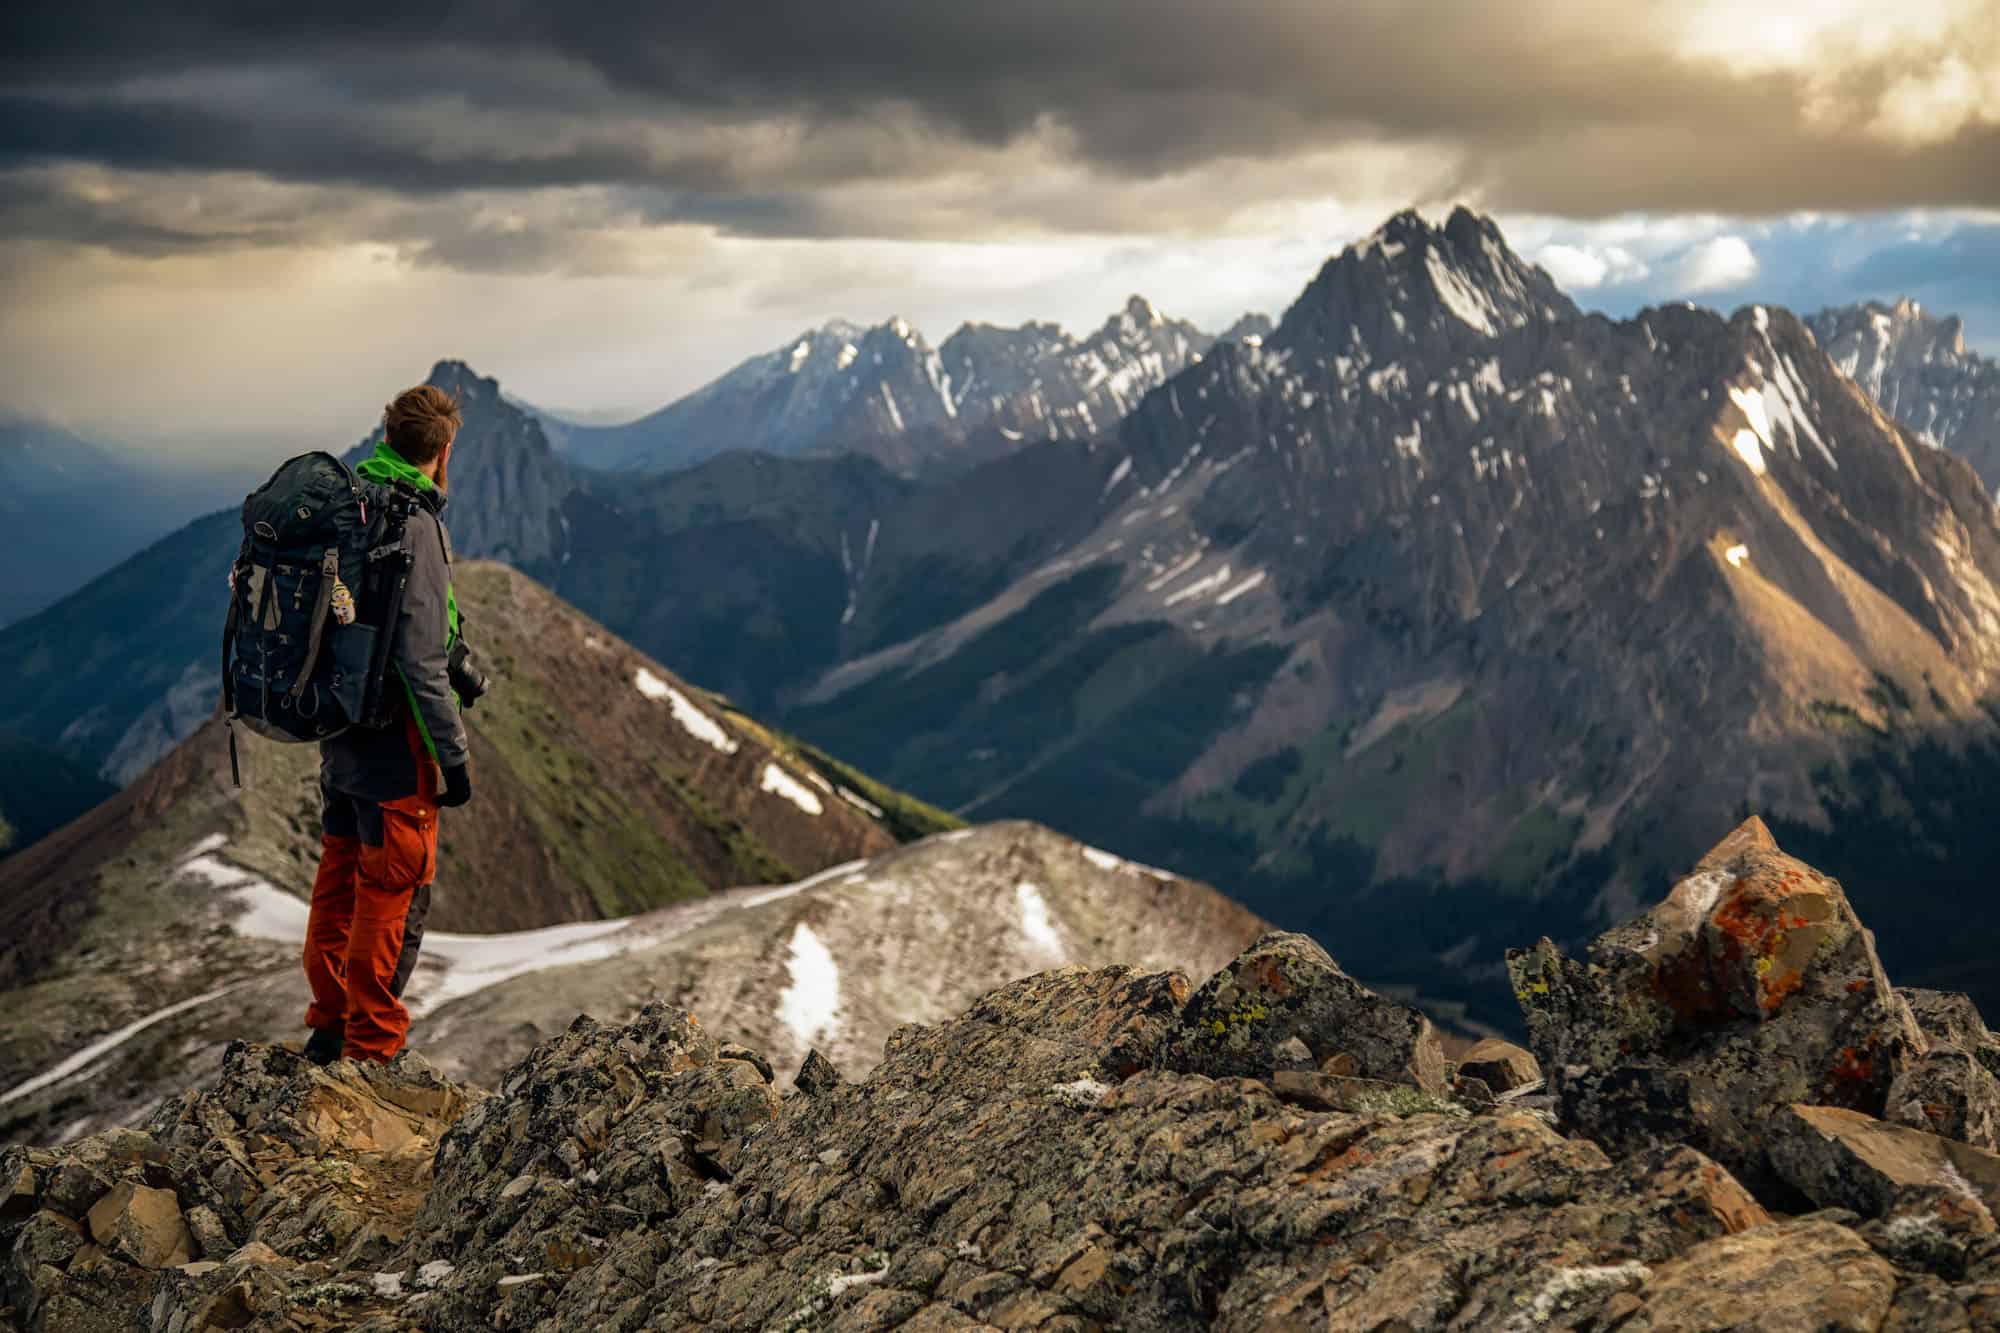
(1464, 299)
(889, 401)
(475, 962)
(762, 896)
(470, 962)
(1250, 584)
(1177, 569)
(1106, 861)
(90, 1054)
(810, 1005)
(781, 783)
(697, 723)
(1488, 376)
(1036, 923)
(1118, 474)
(1747, 448)
(1200, 587)
(1737, 554)
(1083, 1094)
(860, 802)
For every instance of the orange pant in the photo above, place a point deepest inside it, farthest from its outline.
(368, 904)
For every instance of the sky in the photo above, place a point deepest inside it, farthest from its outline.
(227, 227)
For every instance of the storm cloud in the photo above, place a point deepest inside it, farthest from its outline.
(606, 203)
(791, 119)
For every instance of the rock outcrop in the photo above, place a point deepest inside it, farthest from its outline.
(1753, 986)
(1082, 1149)
(1286, 1003)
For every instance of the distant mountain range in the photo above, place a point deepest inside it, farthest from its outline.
(1917, 367)
(886, 393)
(1435, 608)
(73, 509)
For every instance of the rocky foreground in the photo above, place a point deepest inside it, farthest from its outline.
(1743, 1125)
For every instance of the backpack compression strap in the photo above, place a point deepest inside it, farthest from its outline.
(329, 570)
(229, 689)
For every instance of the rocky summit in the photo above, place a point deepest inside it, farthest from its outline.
(1744, 1125)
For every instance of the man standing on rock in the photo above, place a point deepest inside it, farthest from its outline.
(381, 789)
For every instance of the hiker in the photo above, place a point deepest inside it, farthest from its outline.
(381, 789)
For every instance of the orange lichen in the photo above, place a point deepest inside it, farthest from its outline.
(1266, 974)
(1854, 1073)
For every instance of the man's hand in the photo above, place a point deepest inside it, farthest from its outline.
(457, 787)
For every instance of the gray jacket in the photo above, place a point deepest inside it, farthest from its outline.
(386, 765)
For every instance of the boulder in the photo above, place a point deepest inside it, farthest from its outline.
(817, 1075)
(19, 1186)
(1331, 1092)
(1284, 991)
(1751, 987)
(1810, 1275)
(1948, 1092)
(210, 1237)
(143, 1226)
(46, 1240)
(1841, 1159)
(1500, 1065)
(1950, 1018)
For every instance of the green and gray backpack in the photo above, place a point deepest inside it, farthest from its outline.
(315, 593)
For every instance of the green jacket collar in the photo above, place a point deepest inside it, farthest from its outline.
(389, 468)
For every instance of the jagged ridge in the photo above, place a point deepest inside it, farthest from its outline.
(1055, 1158)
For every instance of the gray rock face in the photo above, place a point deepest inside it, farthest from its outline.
(1285, 989)
(1917, 366)
(1752, 986)
(507, 485)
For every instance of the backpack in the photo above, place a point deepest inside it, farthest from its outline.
(315, 594)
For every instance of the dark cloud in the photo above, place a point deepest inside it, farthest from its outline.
(755, 117)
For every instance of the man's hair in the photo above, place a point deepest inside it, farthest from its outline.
(420, 422)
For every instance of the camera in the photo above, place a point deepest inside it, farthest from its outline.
(468, 682)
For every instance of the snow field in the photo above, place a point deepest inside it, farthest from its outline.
(697, 723)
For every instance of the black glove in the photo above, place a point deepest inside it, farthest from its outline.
(457, 786)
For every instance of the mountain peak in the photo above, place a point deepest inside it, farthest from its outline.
(1409, 281)
(462, 382)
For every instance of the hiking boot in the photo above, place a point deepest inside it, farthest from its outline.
(325, 1045)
